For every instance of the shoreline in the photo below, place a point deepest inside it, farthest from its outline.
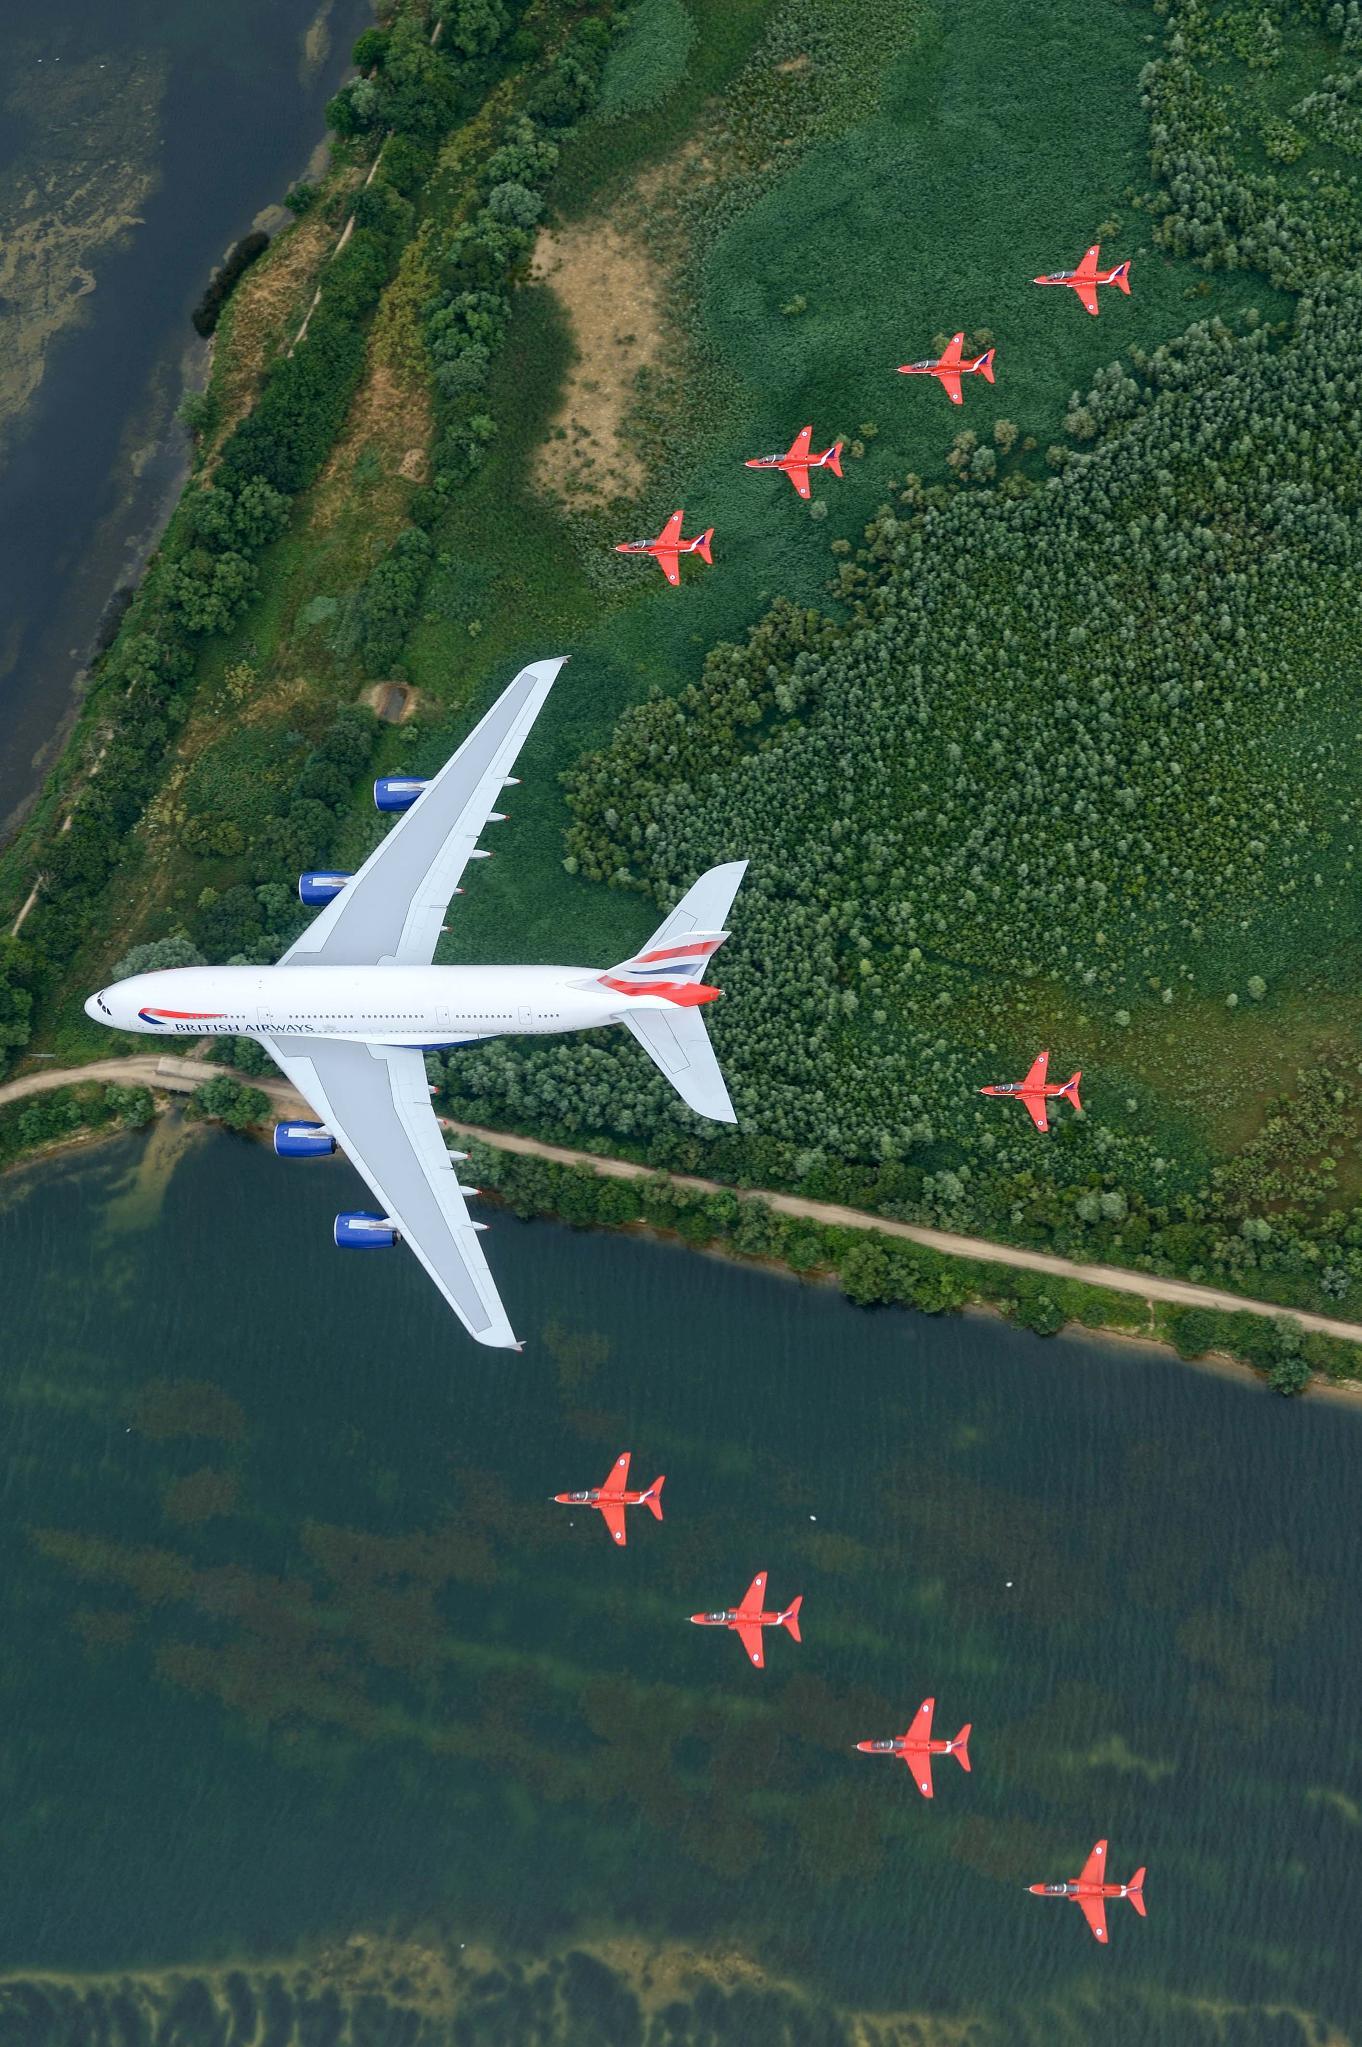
(167, 1078)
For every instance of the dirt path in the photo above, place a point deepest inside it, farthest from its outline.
(183, 1075)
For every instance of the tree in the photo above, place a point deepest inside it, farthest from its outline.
(227, 1101)
(16, 1004)
(157, 955)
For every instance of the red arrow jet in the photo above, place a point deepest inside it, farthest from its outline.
(749, 1619)
(916, 1747)
(613, 1497)
(948, 369)
(669, 546)
(797, 461)
(1036, 1090)
(1087, 277)
(1090, 1893)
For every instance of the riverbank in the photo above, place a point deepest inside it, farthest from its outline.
(874, 1259)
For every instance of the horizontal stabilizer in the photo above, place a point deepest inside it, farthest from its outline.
(676, 1041)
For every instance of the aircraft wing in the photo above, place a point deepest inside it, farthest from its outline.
(1035, 1109)
(375, 1101)
(670, 535)
(394, 908)
(618, 1475)
(1087, 269)
(799, 477)
(1094, 1870)
(613, 1513)
(751, 1641)
(1035, 1079)
(666, 559)
(800, 445)
(1095, 1912)
(1088, 294)
(919, 1762)
(950, 384)
(952, 353)
(754, 1595)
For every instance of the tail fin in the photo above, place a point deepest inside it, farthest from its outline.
(790, 1618)
(703, 549)
(1070, 1091)
(1120, 277)
(668, 973)
(984, 364)
(1135, 1893)
(960, 1746)
(834, 461)
(652, 1499)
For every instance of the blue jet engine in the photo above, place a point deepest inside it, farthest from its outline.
(316, 889)
(358, 1230)
(396, 792)
(303, 1141)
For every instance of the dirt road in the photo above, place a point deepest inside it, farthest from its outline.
(183, 1075)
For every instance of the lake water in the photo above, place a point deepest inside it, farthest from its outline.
(308, 1693)
(136, 143)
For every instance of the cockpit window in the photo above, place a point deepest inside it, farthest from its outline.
(103, 1004)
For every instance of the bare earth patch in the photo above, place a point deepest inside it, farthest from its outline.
(264, 313)
(389, 428)
(608, 285)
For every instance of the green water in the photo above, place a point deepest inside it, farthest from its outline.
(295, 1652)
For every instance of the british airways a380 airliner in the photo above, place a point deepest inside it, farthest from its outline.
(356, 1002)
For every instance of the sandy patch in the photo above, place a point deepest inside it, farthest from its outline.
(608, 285)
(264, 313)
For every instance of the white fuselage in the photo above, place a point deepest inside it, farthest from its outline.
(390, 1005)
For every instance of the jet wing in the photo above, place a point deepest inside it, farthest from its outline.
(1088, 294)
(799, 477)
(950, 383)
(393, 909)
(1094, 1870)
(1095, 1912)
(1035, 1109)
(754, 1595)
(671, 533)
(666, 559)
(800, 445)
(375, 1101)
(1035, 1079)
(919, 1762)
(617, 1478)
(1087, 269)
(751, 1641)
(953, 351)
(612, 1512)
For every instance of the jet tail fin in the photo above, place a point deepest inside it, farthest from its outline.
(960, 1746)
(671, 965)
(1070, 1091)
(703, 549)
(834, 461)
(652, 1499)
(984, 364)
(1135, 1893)
(790, 1618)
(1120, 277)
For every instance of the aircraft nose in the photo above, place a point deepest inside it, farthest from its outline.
(91, 1011)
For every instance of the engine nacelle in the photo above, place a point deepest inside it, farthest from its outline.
(396, 792)
(358, 1230)
(303, 1141)
(318, 888)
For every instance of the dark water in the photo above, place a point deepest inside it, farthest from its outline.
(295, 1652)
(136, 142)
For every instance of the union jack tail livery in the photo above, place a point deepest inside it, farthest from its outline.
(663, 990)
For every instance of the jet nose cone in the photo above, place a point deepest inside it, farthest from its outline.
(91, 1011)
